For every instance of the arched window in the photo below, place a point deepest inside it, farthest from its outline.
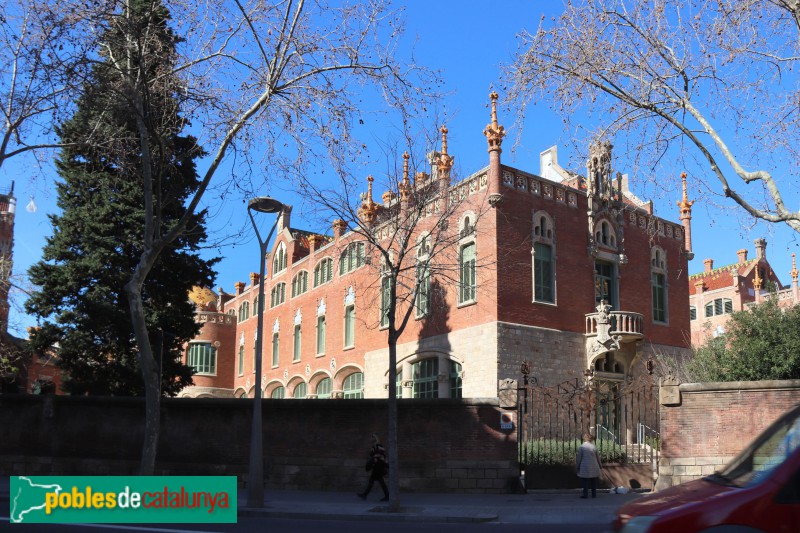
(351, 258)
(278, 294)
(658, 283)
(244, 311)
(467, 281)
(278, 393)
(300, 391)
(324, 388)
(323, 272)
(605, 234)
(353, 386)
(276, 349)
(300, 283)
(280, 259)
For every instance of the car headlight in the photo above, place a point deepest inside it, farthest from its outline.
(639, 524)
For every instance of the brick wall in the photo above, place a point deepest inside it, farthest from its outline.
(446, 445)
(714, 421)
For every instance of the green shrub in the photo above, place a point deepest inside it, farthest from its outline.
(560, 452)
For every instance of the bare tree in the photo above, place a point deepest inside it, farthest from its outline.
(411, 250)
(718, 76)
(44, 55)
(277, 82)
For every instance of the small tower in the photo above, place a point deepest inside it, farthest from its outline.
(757, 282)
(795, 289)
(368, 207)
(444, 163)
(685, 207)
(494, 133)
(8, 207)
(405, 184)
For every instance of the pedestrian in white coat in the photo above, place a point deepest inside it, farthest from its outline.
(588, 461)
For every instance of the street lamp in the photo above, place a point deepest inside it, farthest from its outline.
(255, 479)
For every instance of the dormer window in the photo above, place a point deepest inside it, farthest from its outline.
(280, 259)
(605, 235)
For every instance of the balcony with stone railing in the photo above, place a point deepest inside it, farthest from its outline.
(625, 325)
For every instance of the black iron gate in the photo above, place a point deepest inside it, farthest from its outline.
(621, 413)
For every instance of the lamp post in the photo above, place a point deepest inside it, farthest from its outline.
(255, 478)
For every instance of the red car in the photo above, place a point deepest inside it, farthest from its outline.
(759, 491)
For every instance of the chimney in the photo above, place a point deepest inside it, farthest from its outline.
(314, 243)
(339, 227)
(699, 286)
(761, 248)
(239, 286)
(254, 277)
(742, 255)
(285, 218)
(709, 264)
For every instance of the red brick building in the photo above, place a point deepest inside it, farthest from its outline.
(565, 271)
(717, 292)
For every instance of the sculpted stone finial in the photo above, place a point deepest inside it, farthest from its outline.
(494, 132)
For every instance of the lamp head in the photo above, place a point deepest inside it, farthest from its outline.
(265, 204)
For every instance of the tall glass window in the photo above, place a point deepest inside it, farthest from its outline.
(659, 298)
(202, 358)
(385, 300)
(300, 391)
(455, 380)
(605, 287)
(324, 388)
(466, 291)
(425, 375)
(276, 348)
(278, 393)
(297, 339)
(321, 335)
(423, 291)
(241, 359)
(353, 386)
(543, 273)
(300, 283)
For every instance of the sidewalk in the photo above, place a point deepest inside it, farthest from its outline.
(536, 507)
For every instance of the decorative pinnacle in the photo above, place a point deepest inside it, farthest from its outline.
(757, 279)
(405, 166)
(405, 184)
(444, 162)
(685, 205)
(494, 132)
(368, 207)
(443, 129)
(794, 269)
(370, 179)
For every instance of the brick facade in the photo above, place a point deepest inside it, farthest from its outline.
(712, 422)
(587, 226)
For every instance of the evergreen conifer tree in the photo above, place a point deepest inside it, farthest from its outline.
(98, 238)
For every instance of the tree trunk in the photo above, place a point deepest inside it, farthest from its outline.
(394, 470)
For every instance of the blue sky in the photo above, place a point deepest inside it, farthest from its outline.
(467, 41)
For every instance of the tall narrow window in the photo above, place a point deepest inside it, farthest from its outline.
(353, 386)
(605, 288)
(323, 272)
(658, 283)
(385, 300)
(659, 298)
(467, 273)
(543, 273)
(244, 311)
(321, 335)
(278, 294)
(423, 290)
(692, 313)
(276, 348)
(425, 375)
(349, 326)
(455, 380)
(280, 259)
(241, 359)
(300, 283)
(351, 258)
(297, 339)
